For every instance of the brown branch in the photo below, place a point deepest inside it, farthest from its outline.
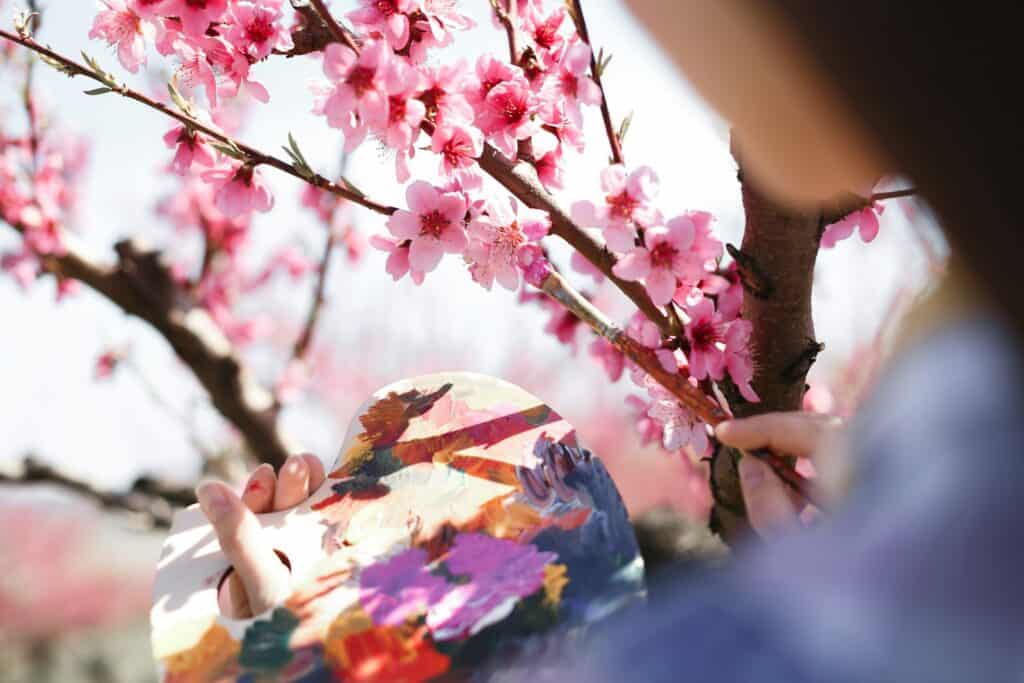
(305, 339)
(507, 18)
(595, 72)
(253, 156)
(851, 203)
(148, 498)
(780, 245)
(142, 286)
(339, 32)
(522, 183)
(555, 286)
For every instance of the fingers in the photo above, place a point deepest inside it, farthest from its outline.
(259, 491)
(263, 576)
(769, 504)
(795, 433)
(292, 483)
(317, 474)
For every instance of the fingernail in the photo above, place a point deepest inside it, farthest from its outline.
(213, 499)
(296, 465)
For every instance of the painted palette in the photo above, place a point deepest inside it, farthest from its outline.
(461, 525)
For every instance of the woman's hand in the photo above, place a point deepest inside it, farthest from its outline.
(259, 578)
(770, 503)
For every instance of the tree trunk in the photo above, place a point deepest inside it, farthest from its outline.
(776, 265)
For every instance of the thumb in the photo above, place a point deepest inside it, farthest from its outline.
(768, 503)
(259, 575)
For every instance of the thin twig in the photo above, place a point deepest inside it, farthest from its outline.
(337, 30)
(253, 156)
(303, 343)
(154, 501)
(894, 194)
(595, 72)
(507, 18)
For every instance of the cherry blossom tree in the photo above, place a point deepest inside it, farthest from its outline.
(718, 329)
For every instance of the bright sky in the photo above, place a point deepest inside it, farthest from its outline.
(107, 432)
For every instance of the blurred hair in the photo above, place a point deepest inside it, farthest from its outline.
(937, 84)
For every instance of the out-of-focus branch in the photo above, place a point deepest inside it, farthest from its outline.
(152, 500)
(143, 286)
(595, 72)
(305, 339)
(252, 155)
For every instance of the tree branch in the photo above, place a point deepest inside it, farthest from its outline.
(523, 183)
(779, 250)
(153, 500)
(340, 33)
(253, 155)
(595, 72)
(142, 286)
(305, 338)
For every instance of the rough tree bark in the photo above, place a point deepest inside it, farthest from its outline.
(776, 265)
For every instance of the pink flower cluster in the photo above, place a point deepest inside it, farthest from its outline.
(38, 177)
(215, 41)
(528, 109)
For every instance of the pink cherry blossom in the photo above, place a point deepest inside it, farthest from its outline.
(706, 333)
(459, 146)
(490, 72)
(359, 89)
(389, 17)
(195, 71)
(195, 15)
(433, 26)
(549, 161)
(191, 149)
(239, 190)
(119, 25)
(611, 358)
(22, 265)
(496, 237)
(706, 248)
(508, 116)
(147, 9)
(443, 93)
(405, 113)
(397, 265)
(738, 357)
(41, 229)
(572, 84)
(865, 219)
(727, 289)
(255, 29)
(680, 428)
(664, 257)
(434, 224)
(545, 31)
(627, 204)
(534, 263)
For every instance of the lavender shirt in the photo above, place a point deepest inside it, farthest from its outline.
(919, 576)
